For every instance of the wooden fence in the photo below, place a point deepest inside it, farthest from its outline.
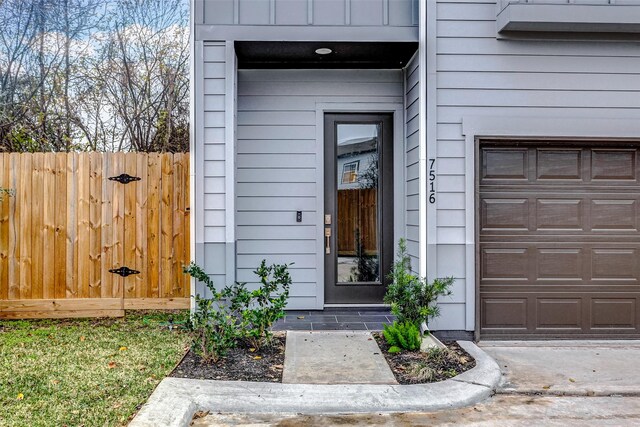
(357, 210)
(69, 223)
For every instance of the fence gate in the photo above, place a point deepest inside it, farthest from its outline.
(93, 234)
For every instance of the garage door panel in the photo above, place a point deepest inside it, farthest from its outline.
(559, 164)
(505, 164)
(615, 264)
(614, 164)
(504, 313)
(563, 237)
(505, 264)
(559, 251)
(535, 165)
(614, 313)
(614, 214)
(505, 213)
(543, 213)
(577, 265)
(559, 313)
(560, 264)
(556, 287)
(559, 214)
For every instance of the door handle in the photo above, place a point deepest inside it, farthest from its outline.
(327, 240)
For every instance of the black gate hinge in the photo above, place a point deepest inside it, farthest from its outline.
(124, 271)
(124, 178)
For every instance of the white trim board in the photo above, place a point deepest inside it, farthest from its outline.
(355, 105)
(474, 127)
(192, 145)
(428, 141)
(196, 155)
(231, 75)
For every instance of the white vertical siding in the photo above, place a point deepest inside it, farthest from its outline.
(308, 12)
(412, 119)
(277, 164)
(479, 75)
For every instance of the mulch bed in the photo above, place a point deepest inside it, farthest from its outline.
(266, 364)
(415, 367)
(240, 364)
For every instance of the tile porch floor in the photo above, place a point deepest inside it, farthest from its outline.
(334, 320)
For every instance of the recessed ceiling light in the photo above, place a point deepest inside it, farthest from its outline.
(323, 51)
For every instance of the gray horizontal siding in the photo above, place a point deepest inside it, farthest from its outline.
(478, 74)
(412, 119)
(277, 164)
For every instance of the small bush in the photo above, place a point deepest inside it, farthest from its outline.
(214, 329)
(412, 298)
(236, 313)
(405, 335)
(261, 308)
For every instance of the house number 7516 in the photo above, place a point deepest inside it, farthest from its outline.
(432, 180)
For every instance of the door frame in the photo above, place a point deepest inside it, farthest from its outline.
(364, 105)
(368, 293)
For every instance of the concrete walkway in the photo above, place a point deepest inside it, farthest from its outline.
(334, 358)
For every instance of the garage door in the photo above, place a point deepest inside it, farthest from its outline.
(559, 240)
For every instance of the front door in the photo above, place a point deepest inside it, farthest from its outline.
(358, 222)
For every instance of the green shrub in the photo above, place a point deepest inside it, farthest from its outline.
(261, 308)
(236, 313)
(412, 298)
(214, 329)
(405, 335)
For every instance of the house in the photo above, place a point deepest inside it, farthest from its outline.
(502, 139)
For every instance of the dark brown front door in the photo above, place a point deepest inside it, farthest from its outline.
(559, 239)
(358, 195)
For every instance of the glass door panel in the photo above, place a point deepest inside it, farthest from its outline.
(357, 208)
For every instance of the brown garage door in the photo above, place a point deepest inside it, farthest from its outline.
(559, 240)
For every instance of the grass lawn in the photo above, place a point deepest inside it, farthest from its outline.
(90, 372)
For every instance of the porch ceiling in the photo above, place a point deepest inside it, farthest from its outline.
(269, 54)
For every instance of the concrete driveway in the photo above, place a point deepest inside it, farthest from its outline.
(560, 383)
(576, 368)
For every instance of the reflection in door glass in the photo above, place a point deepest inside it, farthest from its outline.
(357, 182)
